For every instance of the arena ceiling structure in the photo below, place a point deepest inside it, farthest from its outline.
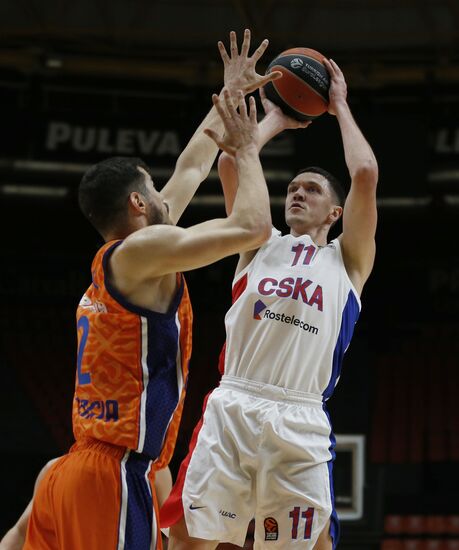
(94, 56)
(379, 41)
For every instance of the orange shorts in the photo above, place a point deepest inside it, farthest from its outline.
(97, 496)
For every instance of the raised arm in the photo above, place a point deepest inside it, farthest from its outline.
(272, 124)
(359, 214)
(197, 158)
(162, 249)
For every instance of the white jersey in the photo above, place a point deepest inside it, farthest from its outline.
(293, 316)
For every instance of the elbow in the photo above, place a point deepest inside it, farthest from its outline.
(260, 232)
(194, 171)
(253, 230)
(226, 166)
(267, 230)
(366, 175)
(224, 159)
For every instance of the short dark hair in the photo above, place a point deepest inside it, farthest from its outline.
(105, 187)
(335, 184)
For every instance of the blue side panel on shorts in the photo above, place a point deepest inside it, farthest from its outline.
(349, 318)
(139, 517)
(334, 521)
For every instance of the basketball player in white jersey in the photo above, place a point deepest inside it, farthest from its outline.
(265, 446)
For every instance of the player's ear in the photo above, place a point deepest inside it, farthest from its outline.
(137, 203)
(335, 214)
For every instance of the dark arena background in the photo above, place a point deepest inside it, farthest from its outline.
(85, 80)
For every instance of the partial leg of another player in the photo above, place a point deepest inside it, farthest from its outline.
(163, 484)
(14, 538)
(324, 542)
(180, 540)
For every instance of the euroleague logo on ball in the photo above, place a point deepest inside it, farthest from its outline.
(296, 63)
(302, 92)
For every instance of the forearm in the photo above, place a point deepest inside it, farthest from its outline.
(359, 156)
(200, 152)
(360, 209)
(251, 207)
(192, 168)
(269, 127)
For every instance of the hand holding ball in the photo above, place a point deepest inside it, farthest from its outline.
(302, 92)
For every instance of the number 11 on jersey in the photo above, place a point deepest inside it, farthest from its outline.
(299, 249)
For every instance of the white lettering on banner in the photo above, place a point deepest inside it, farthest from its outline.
(103, 143)
(167, 144)
(121, 141)
(84, 141)
(148, 142)
(125, 142)
(447, 141)
(58, 132)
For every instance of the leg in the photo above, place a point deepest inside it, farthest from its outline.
(15, 537)
(324, 542)
(94, 499)
(180, 540)
(294, 508)
(295, 499)
(214, 492)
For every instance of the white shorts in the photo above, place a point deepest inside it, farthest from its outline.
(263, 452)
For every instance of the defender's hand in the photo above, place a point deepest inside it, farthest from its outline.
(241, 128)
(240, 72)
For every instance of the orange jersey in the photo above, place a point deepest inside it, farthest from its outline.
(132, 367)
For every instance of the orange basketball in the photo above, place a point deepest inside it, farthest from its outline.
(302, 92)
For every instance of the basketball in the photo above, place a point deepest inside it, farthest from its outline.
(302, 92)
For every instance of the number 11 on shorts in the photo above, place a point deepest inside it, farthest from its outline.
(308, 516)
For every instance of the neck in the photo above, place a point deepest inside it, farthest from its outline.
(121, 232)
(113, 237)
(317, 234)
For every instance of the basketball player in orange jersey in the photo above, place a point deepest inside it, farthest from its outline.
(264, 448)
(134, 325)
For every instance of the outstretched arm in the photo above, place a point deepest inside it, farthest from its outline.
(359, 214)
(161, 249)
(272, 124)
(194, 164)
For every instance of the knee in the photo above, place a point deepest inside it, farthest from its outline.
(178, 531)
(324, 542)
